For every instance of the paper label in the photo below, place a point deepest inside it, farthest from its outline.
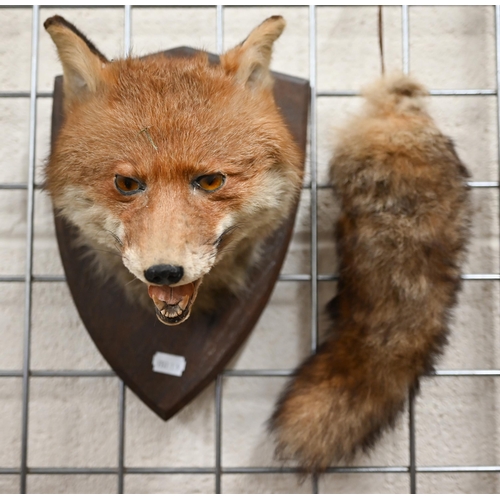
(170, 364)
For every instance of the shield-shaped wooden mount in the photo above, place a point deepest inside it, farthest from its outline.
(129, 336)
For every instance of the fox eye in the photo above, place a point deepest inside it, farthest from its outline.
(128, 185)
(210, 182)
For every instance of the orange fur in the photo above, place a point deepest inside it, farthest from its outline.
(165, 122)
(401, 239)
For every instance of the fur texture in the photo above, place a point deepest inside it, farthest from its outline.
(401, 239)
(173, 164)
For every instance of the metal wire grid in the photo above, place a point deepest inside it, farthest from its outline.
(314, 277)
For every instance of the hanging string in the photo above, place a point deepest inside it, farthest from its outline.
(381, 39)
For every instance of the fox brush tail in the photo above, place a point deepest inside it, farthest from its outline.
(341, 400)
(400, 240)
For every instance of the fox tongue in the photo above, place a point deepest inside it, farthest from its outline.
(171, 295)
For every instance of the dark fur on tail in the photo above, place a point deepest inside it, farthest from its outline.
(401, 240)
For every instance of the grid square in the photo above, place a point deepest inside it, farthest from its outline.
(10, 422)
(451, 46)
(14, 128)
(13, 232)
(186, 440)
(59, 339)
(456, 418)
(71, 484)
(9, 484)
(73, 422)
(16, 28)
(156, 30)
(280, 340)
(348, 53)
(483, 250)
(265, 483)
(247, 404)
(12, 304)
(169, 483)
(458, 483)
(363, 483)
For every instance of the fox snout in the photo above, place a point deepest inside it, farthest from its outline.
(173, 283)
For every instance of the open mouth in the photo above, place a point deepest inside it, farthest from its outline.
(173, 303)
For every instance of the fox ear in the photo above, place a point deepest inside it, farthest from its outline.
(82, 62)
(250, 60)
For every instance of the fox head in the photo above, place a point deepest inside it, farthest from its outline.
(173, 163)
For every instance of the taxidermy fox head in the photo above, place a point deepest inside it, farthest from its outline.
(180, 167)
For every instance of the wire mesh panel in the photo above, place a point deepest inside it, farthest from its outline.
(68, 424)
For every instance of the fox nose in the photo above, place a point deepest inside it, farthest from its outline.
(164, 274)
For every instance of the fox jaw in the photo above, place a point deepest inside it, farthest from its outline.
(175, 169)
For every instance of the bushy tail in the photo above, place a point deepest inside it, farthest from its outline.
(400, 242)
(340, 401)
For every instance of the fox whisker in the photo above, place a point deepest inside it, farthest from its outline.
(115, 237)
(225, 233)
(131, 281)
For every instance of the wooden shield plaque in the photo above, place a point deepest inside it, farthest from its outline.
(128, 336)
